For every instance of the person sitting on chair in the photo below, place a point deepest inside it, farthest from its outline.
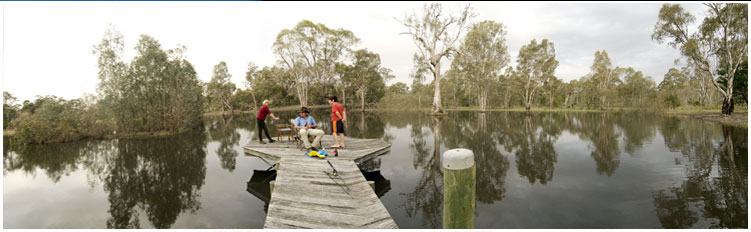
(306, 126)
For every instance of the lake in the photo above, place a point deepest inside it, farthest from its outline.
(537, 170)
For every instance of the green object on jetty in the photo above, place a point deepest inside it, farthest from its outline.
(458, 189)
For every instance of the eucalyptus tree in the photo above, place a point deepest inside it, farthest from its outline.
(550, 88)
(10, 109)
(157, 91)
(365, 73)
(251, 77)
(721, 43)
(398, 88)
(636, 90)
(536, 64)
(675, 84)
(482, 57)
(220, 86)
(435, 35)
(604, 74)
(310, 52)
(572, 90)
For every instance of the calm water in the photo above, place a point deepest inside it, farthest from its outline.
(545, 170)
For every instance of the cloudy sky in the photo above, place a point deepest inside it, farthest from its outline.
(47, 46)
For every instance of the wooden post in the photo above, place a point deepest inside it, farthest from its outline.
(458, 189)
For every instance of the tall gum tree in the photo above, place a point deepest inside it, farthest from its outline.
(221, 87)
(482, 57)
(604, 74)
(536, 64)
(310, 53)
(720, 43)
(435, 34)
(365, 72)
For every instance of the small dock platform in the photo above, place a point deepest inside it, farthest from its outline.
(304, 196)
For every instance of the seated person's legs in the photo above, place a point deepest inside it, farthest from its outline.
(304, 137)
(318, 134)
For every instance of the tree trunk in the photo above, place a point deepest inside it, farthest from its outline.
(507, 97)
(482, 99)
(437, 106)
(255, 103)
(302, 94)
(550, 105)
(727, 105)
(419, 101)
(362, 100)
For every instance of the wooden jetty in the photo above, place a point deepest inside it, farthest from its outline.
(304, 196)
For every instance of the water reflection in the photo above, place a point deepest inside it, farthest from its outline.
(481, 140)
(637, 129)
(697, 179)
(56, 160)
(371, 170)
(161, 176)
(533, 138)
(427, 196)
(719, 195)
(599, 129)
(223, 131)
(259, 186)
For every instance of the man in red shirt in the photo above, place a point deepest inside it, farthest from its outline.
(261, 119)
(338, 117)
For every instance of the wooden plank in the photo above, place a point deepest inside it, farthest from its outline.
(306, 197)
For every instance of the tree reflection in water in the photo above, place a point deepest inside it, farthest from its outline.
(223, 131)
(56, 159)
(463, 129)
(638, 128)
(471, 130)
(599, 129)
(716, 177)
(162, 176)
(533, 141)
(428, 194)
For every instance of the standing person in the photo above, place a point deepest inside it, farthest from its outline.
(261, 119)
(338, 118)
(307, 124)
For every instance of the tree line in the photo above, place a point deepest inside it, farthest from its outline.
(480, 74)
(158, 91)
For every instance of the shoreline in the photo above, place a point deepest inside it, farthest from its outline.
(738, 119)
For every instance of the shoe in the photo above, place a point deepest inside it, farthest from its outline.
(272, 141)
(262, 142)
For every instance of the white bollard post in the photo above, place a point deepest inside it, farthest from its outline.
(458, 189)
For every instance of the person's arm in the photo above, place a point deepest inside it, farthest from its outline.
(272, 116)
(297, 124)
(344, 119)
(339, 115)
(313, 123)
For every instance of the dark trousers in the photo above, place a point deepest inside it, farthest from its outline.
(262, 127)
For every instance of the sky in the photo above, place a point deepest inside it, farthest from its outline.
(47, 46)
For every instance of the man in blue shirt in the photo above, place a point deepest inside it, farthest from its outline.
(306, 126)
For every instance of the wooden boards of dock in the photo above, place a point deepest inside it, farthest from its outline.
(305, 196)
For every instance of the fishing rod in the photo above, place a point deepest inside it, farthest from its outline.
(346, 190)
(336, 173)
